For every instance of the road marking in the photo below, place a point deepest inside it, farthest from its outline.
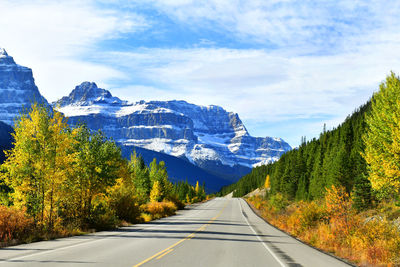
(190, 236)
(101, 238)
(85, 242)
(259, 238)
(165, 253)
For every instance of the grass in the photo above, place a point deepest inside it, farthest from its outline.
(16, 227)
(368, 238)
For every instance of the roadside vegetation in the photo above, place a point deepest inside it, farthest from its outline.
(340, 192)
(60, 181)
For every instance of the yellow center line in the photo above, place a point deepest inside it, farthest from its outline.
(164, 252)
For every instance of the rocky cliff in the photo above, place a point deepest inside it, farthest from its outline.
(17, 89)
(207, 136)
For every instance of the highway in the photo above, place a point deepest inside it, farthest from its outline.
(220, 232)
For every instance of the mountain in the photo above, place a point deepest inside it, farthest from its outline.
(208, 141)
(17, 89)
(207, 136)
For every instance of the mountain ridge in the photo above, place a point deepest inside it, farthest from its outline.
(17, 89)
(208, 137)
(203, 135)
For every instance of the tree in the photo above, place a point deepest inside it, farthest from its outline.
(267, 184)
(97, 165)
(158, 172)
(123, 199)
(156, 192)
(362, 193)
(382, 139)
(140, 177)
(38, 165)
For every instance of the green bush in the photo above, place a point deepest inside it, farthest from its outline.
(278, 201)
(102, 217)
(125, 204)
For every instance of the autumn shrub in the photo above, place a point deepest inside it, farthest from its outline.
(311, 215)
(389, 209)
(124, 202)
(278, 201)
(303, 216)
(14, 224)
(255, 201)
(145, 217)
(160, 209)
(102, 216)
(175, 199)
(339, 210)
(377, 241)
(331, 224)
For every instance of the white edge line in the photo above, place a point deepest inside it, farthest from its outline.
(259, 238)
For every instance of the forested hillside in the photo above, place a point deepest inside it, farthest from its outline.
(5, 139)
(332, 159)
(340, 192)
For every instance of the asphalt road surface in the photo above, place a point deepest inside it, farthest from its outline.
(220, 232)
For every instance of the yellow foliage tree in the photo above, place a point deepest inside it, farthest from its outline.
(98, 165)
(267, 183)
(382, 139)
(156, 192)
(123, 199)
(38, 164)
(197, 188)
(338, 205)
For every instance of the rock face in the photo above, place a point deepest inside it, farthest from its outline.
(213, 140)
(17, 89)
(209, 137)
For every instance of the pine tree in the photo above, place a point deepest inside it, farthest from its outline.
(362, 193)
(140, 177)
(317, 182)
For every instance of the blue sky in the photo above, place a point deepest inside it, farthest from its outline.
(287, 67)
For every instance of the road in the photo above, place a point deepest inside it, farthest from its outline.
(220, 232)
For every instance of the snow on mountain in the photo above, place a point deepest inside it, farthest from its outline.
(17, 89)
(207, 136)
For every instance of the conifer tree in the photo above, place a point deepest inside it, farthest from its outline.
(140, 177)
(362, 193)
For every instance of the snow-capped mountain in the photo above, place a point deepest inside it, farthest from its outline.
(189, 136)
(17, 89)
(207, 136)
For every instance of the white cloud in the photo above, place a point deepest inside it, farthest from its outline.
(257, 83)
(284, 23)
(52, 37)
(263, 87)
(320, 59)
